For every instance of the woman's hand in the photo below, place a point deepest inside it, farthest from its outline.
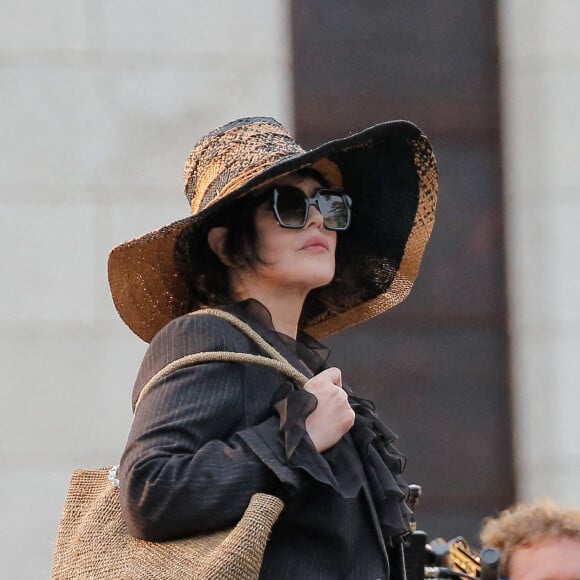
(333, 416)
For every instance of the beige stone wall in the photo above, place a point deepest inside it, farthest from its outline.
(100, 104)
(540, 47)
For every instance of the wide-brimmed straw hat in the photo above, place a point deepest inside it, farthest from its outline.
(388, 170)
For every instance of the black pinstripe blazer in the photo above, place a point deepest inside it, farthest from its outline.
(208, 437)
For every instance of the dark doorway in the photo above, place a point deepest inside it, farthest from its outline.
(437, 365)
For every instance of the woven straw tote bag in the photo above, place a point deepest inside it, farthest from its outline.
(93, 542)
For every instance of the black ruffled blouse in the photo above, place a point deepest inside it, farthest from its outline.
(367, 449)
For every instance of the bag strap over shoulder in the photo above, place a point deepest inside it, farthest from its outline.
(246, 329)
(273, 359)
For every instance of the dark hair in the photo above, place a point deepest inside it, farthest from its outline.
(207, 276)
(209, 281)
(314, 174)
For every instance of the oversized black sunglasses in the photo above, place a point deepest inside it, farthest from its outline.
(291, 206)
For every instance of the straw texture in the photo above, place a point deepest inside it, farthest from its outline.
(365, 308)
(211, 174)
(388, 170)
(93, 542)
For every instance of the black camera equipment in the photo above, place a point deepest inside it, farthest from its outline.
(452, 559)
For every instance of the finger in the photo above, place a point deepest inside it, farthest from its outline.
(334, 375)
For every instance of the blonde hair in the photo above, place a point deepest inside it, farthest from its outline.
(526, 524)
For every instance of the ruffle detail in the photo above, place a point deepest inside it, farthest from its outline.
(383, 465)
(368, 442)
(293, 406)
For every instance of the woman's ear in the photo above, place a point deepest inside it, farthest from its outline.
(216, 240)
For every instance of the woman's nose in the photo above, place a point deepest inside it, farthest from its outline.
(314, 217)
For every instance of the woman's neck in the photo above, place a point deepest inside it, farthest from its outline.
(285, 313)
(285, 307)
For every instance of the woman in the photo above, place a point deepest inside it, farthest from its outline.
(288, 241)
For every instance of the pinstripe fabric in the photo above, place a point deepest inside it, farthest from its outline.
(207, 437)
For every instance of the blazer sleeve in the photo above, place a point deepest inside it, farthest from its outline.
(192, 461)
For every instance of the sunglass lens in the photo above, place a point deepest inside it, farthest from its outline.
(334, 211)
(290, 206)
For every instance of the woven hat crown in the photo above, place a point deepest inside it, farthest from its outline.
(231, 156)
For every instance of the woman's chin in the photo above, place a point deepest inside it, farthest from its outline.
(318, 272)
(320, 279)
